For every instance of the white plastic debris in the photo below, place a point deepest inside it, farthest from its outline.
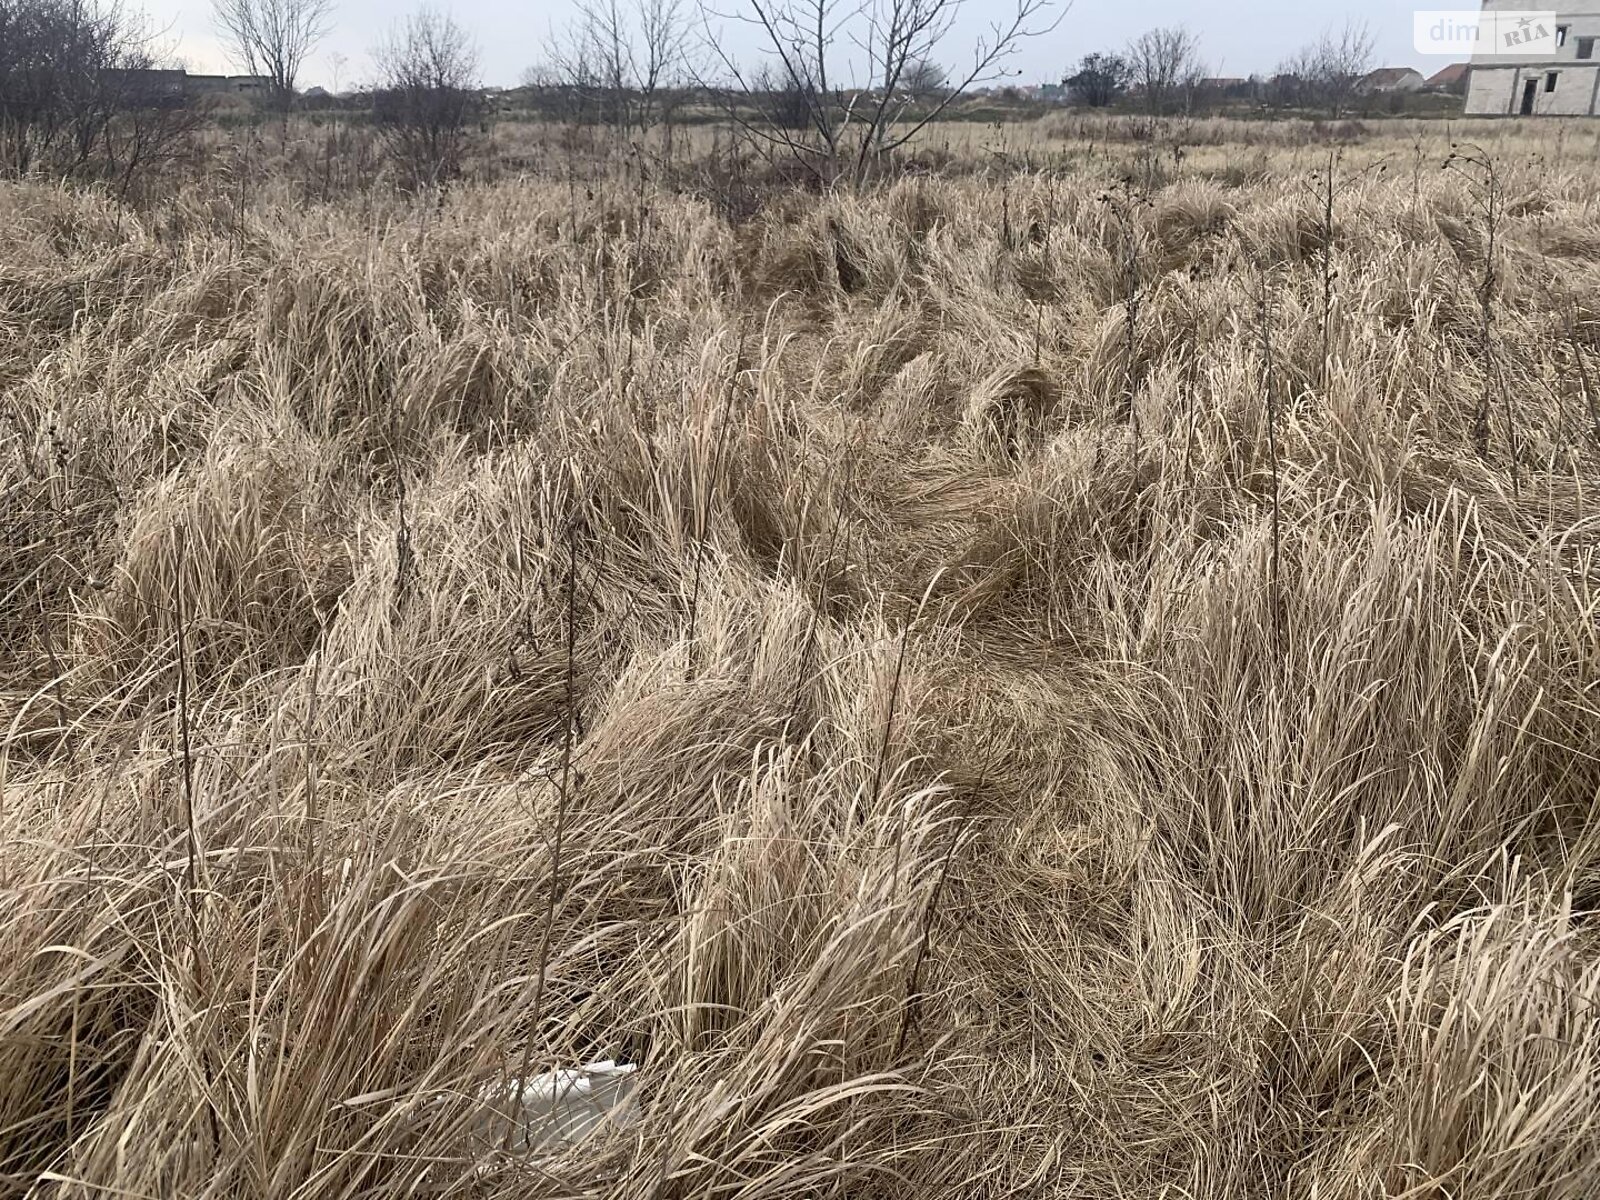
(564, 1106)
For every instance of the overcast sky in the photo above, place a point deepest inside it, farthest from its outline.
(1237, 37)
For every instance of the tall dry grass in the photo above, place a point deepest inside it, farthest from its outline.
(835, 660)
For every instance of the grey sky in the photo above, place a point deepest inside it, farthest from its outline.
(1237, 38)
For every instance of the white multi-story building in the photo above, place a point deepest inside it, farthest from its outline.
(1566, 83)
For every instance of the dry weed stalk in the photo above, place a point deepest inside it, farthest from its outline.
(1477, 165)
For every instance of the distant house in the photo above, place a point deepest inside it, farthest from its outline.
(227, 85)
(1388, 80)
(175, 86)
(1565, 83)
(1452, 79)
(147, 83)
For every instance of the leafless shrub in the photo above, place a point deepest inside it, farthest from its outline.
(427, 95)
(799, 101)
(79, 96)
(624, 61)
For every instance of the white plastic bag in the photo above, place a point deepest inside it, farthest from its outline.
(559, 1107)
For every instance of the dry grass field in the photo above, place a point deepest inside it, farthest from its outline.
(1071, 675)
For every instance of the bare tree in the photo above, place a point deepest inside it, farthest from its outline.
(926, 80)
(625, 59)
(1328, 70)
(1166, 68)
(781, 102)
(1288, 87)
(426, 94)
(852, 125)
(273, 38)
(663, 57)
(1100, 80)
(553, 95)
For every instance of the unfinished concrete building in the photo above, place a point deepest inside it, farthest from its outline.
(1563, 82)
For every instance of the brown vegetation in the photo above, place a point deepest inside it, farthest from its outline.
(950, 678)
